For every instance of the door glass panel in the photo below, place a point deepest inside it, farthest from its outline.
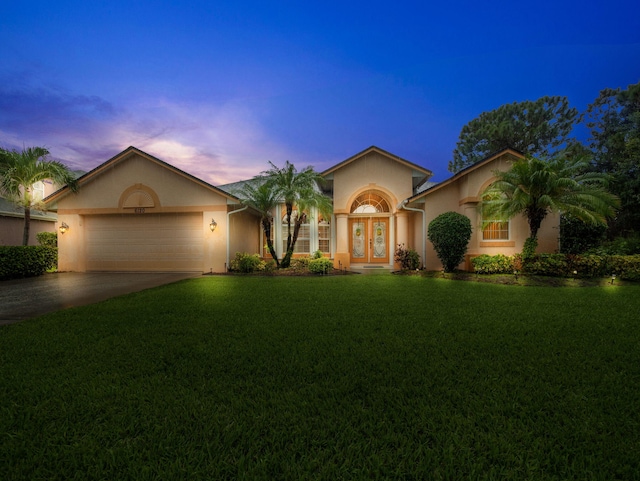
(379, 240)
(358, 235)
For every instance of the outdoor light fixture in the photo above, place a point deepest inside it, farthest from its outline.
(63, 228)
(213, 225)
(613, 278)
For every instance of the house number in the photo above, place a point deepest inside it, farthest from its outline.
(139, 210)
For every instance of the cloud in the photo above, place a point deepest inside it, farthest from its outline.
(218, 143)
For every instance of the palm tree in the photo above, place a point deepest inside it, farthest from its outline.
(299, 189)
(19, 171)
(260, 196)
(535, 188)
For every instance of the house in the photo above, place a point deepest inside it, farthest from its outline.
(135, 212)
(12, 218)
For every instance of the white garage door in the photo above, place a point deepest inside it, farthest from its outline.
(145, 242)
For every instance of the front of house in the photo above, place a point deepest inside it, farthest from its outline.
(137, 213)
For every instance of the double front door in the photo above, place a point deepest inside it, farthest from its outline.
(369, 240)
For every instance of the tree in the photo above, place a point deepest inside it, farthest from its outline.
(535, 188)
(19, 171)
(259, 195)
(536, 128)
(614, 121)
(450, 233)
(299, 189)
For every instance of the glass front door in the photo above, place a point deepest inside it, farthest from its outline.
(369, 240)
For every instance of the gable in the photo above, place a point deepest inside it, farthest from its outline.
(134, 179)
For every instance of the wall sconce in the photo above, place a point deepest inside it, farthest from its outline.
(213, 225)
(63, 228)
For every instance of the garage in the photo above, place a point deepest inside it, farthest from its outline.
(144, 242)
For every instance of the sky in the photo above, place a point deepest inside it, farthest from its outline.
(220, 89)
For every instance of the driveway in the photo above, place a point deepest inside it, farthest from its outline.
(25, 298)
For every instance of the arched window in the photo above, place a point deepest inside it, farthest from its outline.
(369, 202)
(493, 229)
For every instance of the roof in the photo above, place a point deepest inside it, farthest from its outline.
(465, 171)
(415, 167)
(9, 209)
(123, 156)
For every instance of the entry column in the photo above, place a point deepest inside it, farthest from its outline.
(341, 258)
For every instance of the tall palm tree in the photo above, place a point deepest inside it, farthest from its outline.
(535, 188)
(19, 171)
(259, 195)
(299, 189)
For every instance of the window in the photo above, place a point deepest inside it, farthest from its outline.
(324, 236)
(38, 191)
(369, 203)
(303, 244)
(493, 229)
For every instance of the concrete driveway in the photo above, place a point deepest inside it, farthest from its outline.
(25, 298)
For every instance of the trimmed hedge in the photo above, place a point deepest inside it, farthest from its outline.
(26, 261)
(561, 265)
(321, 265)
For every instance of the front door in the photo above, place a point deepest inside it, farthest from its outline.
(369, 240)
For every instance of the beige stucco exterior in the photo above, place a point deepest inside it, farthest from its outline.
(462, 193)
(136, 212)
(373, 171)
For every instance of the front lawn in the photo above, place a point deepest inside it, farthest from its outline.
(346, 377)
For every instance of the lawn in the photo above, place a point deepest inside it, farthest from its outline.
(347, 377)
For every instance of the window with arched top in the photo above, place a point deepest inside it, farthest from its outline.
(493, 229)
(370, 202)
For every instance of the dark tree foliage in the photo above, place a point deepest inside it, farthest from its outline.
(614, 121)
(577, 237)
(537, 128)
(450, 234)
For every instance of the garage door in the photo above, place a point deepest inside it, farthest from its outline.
(146, 242)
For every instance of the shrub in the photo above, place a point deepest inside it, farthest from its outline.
(317, 254)
(498, 264)
(529, 249)
(587, 266)
(408, 258)
(247, 263)
(26, 261)
(625, 267)
(450, 233)
(621, 246)
(577, 237)
(554, 265)
(48, 239)
(300, 263)
(321, 265)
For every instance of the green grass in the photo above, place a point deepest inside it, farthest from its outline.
(349, 377)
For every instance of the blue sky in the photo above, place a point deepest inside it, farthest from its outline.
(218, 89)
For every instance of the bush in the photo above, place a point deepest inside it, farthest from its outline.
(554, 265)
(498, 264)
(408, 258)
(26, 261)
(577, 237)
(562, 265)
(625, 267)
(48, 239)
(450, 233)
(247, 263)
(300, 263)
(321, 265)
(621, 246)
(318, 254)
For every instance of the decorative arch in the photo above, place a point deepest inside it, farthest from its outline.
(139, 196)
(372, 200)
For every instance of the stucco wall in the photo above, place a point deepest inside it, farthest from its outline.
(463, 195)
(371, 171)
(115, 189)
